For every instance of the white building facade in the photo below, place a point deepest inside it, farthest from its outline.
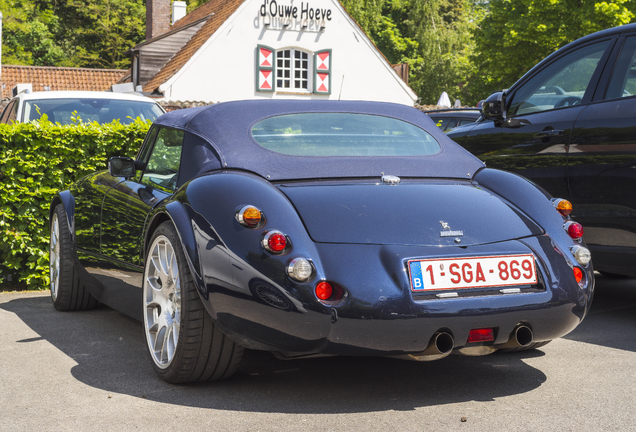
(270, 49)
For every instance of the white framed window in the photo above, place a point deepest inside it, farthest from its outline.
(292, 70)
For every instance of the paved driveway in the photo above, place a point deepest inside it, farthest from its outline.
(90, 371)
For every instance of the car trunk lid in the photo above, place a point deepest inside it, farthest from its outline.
(428, 213)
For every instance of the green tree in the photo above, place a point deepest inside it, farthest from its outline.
(443, 30)
(97, 33)
(517, 34)
(28, 35)
(432, 36)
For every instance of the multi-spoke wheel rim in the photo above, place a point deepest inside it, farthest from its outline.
(162, 302)
(54, 256)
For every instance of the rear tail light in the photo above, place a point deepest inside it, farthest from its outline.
(574, 229)
(563, 206)
(324, 290)
(275, 242)
(329, 292)
(250, 216)
(581, 254)
(579, 275)
(481, 335)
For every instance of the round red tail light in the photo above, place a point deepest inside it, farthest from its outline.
(275, 241)
(574, 229)
(324, 290)
(578, 274)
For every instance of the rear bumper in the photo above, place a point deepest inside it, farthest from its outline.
(381, 316)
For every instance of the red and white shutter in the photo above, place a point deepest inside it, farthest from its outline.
(322, 72)
(265, 68)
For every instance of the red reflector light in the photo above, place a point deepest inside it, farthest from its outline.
(277, 242)
(324, 290)
(574, 229)
(578, 274)
(481, 335)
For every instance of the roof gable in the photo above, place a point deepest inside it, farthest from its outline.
(178, 80)
(217, 11)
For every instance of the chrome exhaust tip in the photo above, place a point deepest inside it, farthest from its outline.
(521, 336)
(440, 346)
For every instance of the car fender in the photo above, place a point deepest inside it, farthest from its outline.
(227, 259)
(68, 203)
(176, 212)
(531, 199)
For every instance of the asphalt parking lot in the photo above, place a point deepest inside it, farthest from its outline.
(89, 371)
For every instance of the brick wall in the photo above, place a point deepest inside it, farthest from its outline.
(157, 17)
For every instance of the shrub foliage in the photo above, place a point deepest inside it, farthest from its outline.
(36, 160)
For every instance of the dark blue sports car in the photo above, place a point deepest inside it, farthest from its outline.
(316, 228)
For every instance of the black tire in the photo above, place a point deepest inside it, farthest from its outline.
(529, 347)
(68, 293)
(173, 309)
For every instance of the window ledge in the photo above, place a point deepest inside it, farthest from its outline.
(294, 93)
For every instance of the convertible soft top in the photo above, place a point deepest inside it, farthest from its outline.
(221, 138)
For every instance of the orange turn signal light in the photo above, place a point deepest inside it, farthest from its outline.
(563, 206)
(250, 217)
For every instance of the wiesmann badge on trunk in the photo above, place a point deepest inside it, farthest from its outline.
(448, 232)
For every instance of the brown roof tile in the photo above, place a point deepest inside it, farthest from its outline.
(201, 12)
(220, 11)
(57, 78)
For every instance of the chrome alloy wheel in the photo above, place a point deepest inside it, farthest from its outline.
(162, 302)
(54, 256)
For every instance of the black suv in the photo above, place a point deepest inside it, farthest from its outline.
(569, 125)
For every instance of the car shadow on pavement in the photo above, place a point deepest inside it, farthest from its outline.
(109, 349)
(612, 317)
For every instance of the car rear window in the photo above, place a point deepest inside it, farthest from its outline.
(343, 134)
(89, 110)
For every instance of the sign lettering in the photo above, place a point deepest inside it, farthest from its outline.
(288, 12)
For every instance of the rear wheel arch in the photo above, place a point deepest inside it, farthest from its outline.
(186, 346)
(68, 203)
(176, 213)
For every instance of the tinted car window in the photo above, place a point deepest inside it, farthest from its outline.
(623, 81)
(343, 134)
(561, 84)
(162, 169)
(89, 110)
(442, 123)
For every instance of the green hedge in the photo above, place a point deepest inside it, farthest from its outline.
(36, 160)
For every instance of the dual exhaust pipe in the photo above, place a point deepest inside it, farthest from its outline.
(521, 337)
(442, 344)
